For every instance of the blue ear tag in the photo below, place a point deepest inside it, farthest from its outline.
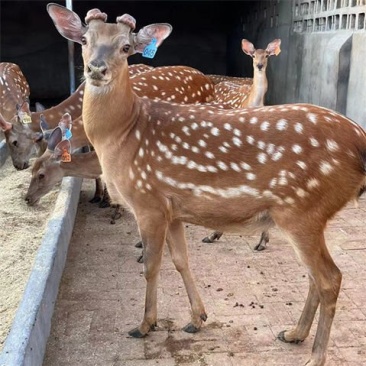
(150, 49)
(67, 134)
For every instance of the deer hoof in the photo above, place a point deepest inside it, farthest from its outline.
(140, 259)
(138, 245)
(135, 333)
(203, 317)
(190, 328)
(207, 240)
(259, 247)
(281, 337)
(95, 200)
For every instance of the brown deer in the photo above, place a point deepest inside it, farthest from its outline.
(247, 95)
(291, 166)
(14, 89)
(237, 80)
(51, 167)
(182, 84)
(22, 130)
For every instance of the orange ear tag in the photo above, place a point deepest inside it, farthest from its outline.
(65, 157)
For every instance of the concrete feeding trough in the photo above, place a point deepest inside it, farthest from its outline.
(27, 339)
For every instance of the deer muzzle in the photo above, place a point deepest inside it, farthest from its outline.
(96, 70)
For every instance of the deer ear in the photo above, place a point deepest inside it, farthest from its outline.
(66, 121)
(159, 32)
(5, 125)
(54, 139)
(61, 148)
(66, 22)
(40, 107)
(273, 48)
(247, 47)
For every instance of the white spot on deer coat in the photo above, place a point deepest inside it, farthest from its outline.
(281, 124)
(314, 142)
(262, 158)
(325, 167)
(297, 149)
(332, 145)
(312, 117)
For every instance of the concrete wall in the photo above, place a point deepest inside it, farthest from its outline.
(323, 53)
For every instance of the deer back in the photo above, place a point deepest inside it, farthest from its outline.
(14, 89)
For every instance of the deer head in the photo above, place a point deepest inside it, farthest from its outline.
(113, 45)
(20, 138)
(260, 56)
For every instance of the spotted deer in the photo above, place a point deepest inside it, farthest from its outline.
(14, 89)
(22, 130)
(51, 167)
(292, 166)
(181, 84)
(237, 80)
(247, 95)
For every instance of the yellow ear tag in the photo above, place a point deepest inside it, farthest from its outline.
(65, 157)
(26, 118)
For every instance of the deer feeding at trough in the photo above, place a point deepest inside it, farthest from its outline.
(292, 166)
(179, 83)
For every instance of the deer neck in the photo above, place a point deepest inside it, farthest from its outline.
(259, 89)
(110, 110)
(71, 105)
(84, 165)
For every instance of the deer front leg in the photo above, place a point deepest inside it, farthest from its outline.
(152, 227)
(178, 250)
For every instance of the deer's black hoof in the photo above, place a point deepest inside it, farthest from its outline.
(190, 328)
(135, 333)
(138, 244)
(281, 337)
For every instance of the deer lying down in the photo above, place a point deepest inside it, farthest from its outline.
(248, 96)
(291, 166)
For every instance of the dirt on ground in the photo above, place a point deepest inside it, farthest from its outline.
(21, 231)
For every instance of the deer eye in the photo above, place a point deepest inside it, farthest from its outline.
(83, 41)
(15, 143)
(40, 176)
(126, 48)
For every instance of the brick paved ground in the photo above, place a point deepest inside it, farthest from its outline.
(249, 298)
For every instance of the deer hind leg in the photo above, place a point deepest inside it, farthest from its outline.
(216, 235)
(99, 191)
(153, 231)
(178, 250)
(325, 282)
(262, 241)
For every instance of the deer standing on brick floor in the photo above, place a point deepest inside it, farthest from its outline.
(248, 96)
(291, 166)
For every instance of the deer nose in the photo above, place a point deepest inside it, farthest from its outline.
(96, 69)
(260, 66)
